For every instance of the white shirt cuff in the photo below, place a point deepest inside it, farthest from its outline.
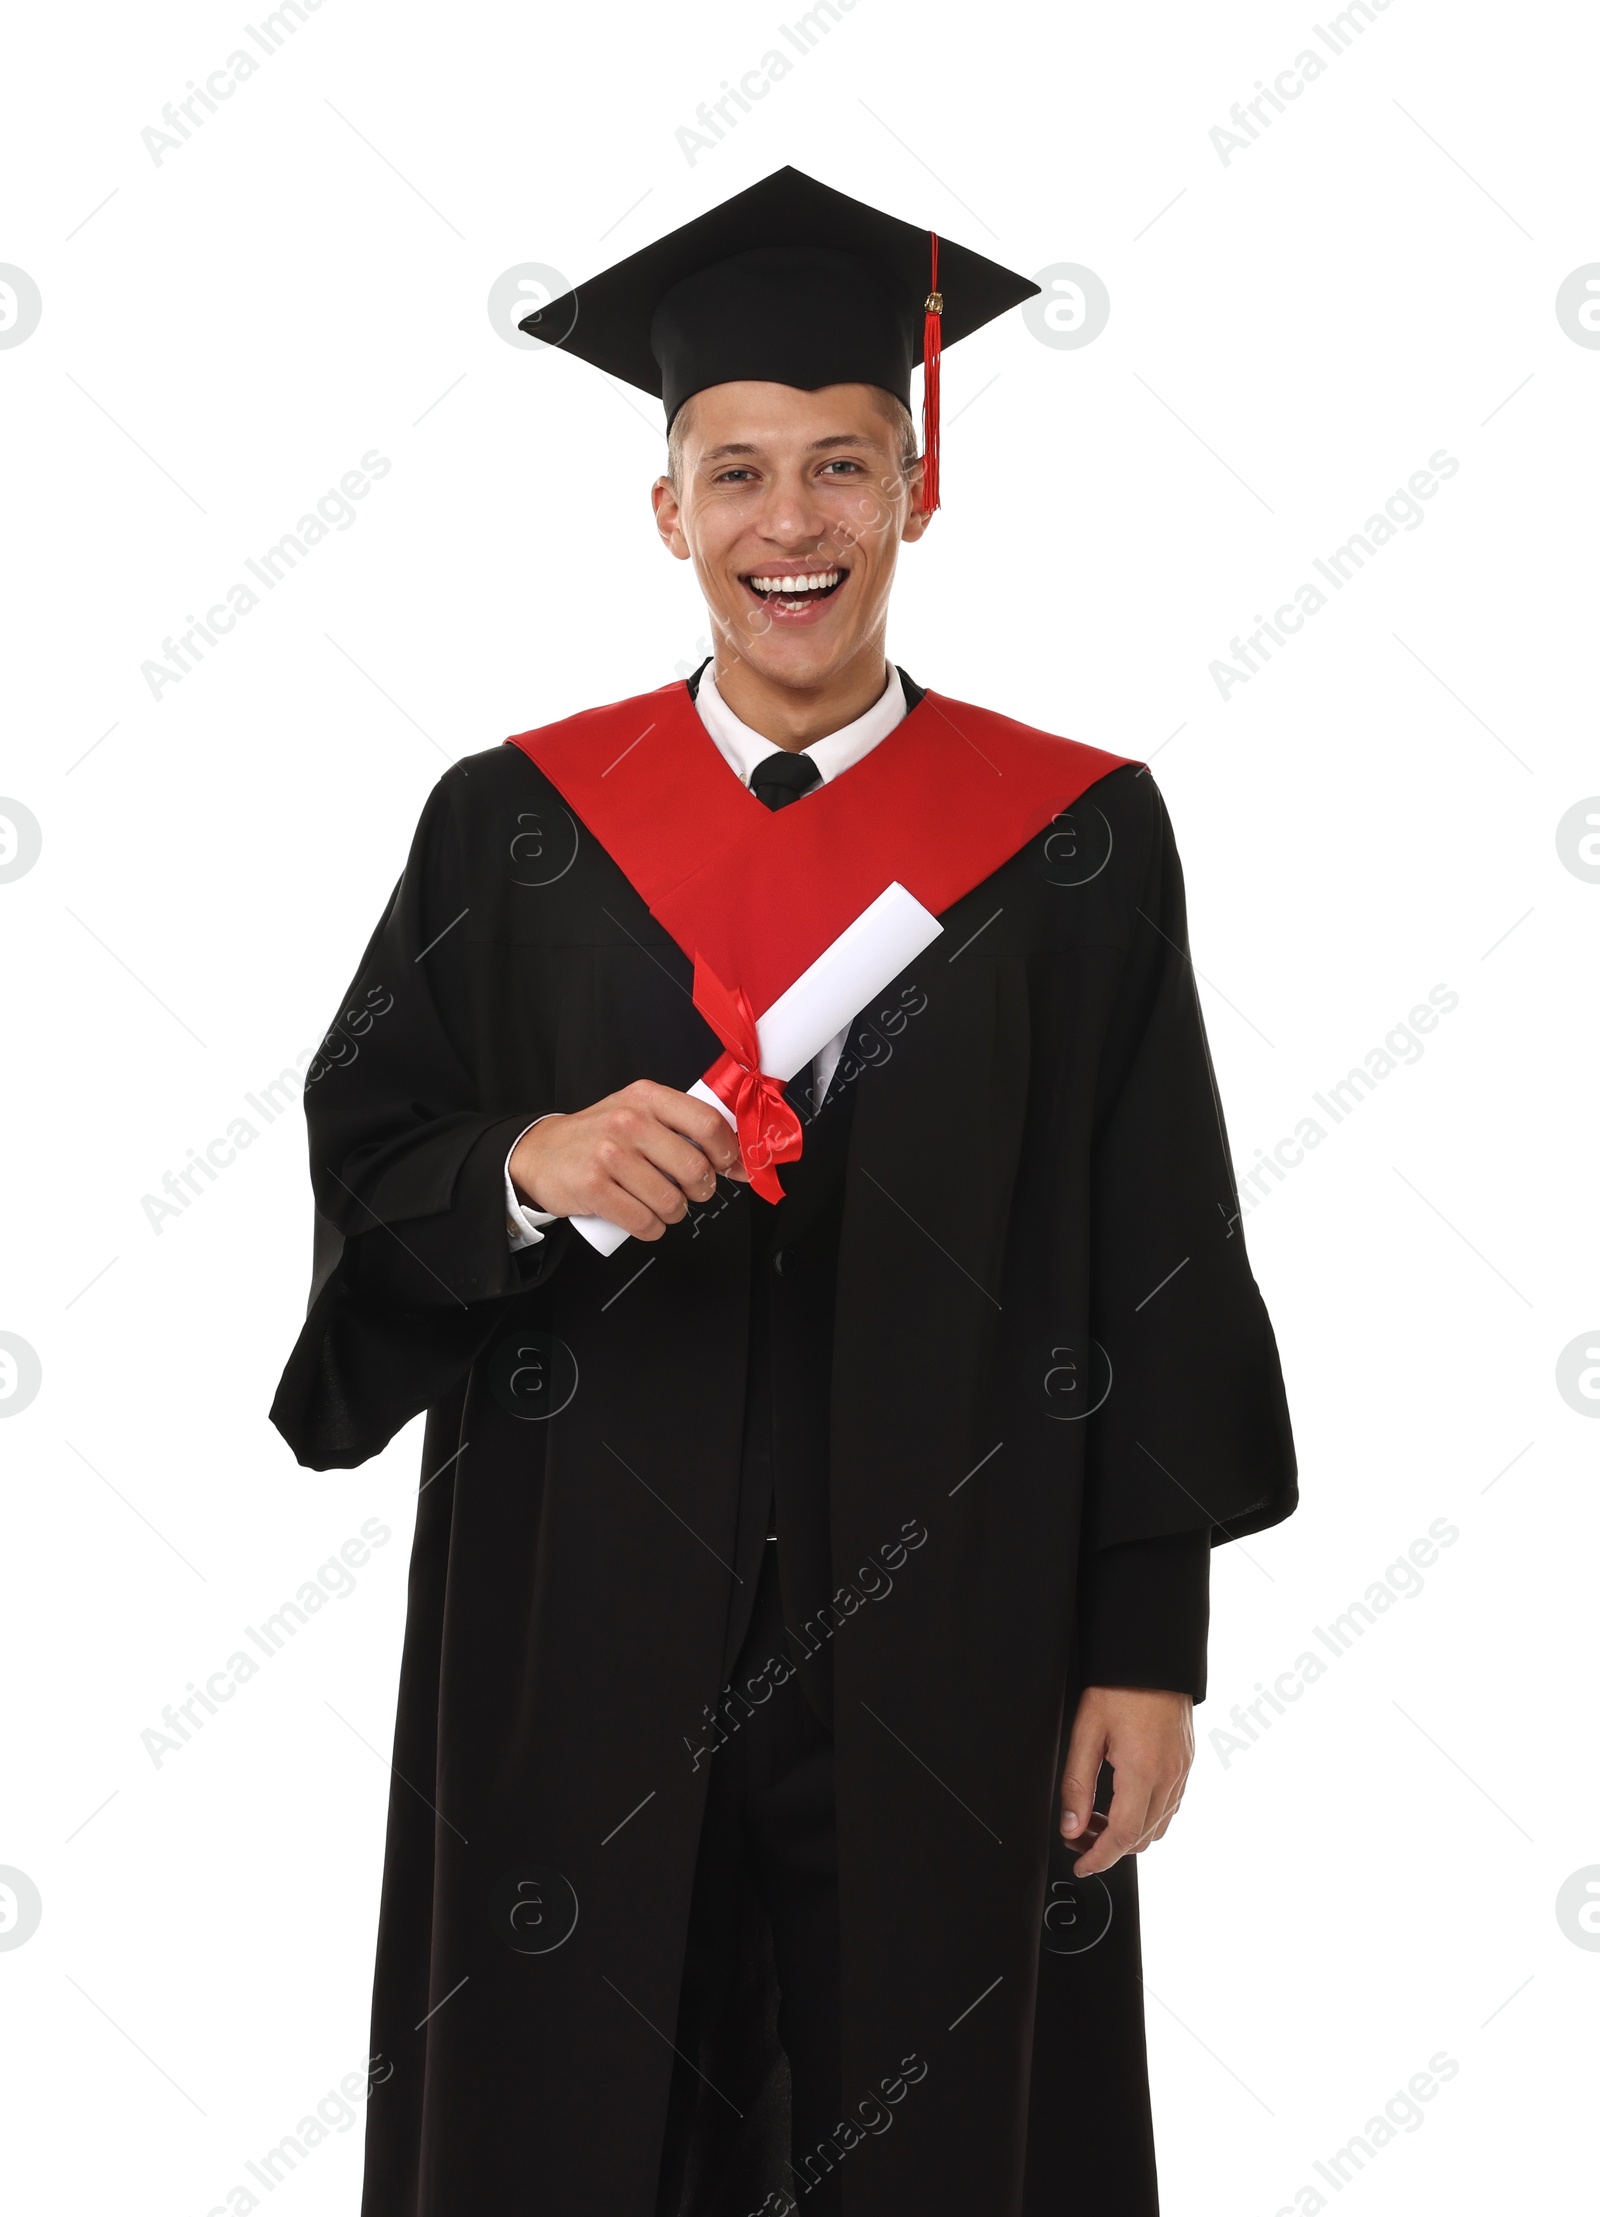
(524, 1226)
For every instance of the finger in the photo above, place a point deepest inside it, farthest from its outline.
(1085, 1753)
(1125, 1826)
(615, 1205)
(631, 1144)
(1159, 1814)
(707, 1127)
(620, 1167)
(1167, 1815)
(1157, 1811)
(679, 1159)
(1172, 1798)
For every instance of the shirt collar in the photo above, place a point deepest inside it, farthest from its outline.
(742, 749)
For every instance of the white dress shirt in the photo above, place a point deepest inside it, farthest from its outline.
(743, 750)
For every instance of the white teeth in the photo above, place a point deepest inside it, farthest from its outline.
(813, 583)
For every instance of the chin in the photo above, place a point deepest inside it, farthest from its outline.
(797, 658)
(803, 663)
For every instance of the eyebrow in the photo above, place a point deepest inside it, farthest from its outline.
(817, 446)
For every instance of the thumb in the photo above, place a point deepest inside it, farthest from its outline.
(1085, 1752)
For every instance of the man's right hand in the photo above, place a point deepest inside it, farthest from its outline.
(637, 1158)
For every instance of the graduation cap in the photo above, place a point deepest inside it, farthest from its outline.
(788, 283)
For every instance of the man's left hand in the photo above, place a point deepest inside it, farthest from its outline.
(1148, 1739)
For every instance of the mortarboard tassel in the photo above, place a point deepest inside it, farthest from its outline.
(932, 309)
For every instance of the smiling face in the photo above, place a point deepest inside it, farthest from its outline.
(792, 506)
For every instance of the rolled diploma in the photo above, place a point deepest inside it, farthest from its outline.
(864, 958)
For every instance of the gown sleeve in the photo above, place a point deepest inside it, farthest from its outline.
(1144, 1610)
(412, 1266)
(1193, 1433)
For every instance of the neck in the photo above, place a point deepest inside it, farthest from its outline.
(794, 717)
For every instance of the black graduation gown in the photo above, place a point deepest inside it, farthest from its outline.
(1034, 1148)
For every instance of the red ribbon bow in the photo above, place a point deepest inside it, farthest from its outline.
(769, 1130)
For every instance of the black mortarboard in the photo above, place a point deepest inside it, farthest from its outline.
(790, 283)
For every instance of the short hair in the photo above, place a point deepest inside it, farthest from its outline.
(893, 407)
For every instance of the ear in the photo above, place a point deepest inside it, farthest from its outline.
(668, 514)
(917, 520)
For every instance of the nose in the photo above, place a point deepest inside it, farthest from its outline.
(792, 519)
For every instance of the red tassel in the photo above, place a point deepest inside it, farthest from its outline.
(932, 309)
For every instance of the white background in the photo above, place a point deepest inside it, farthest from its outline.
(1292, 334)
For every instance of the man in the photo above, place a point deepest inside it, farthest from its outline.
(787, 1577)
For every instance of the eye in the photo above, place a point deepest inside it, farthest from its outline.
(732, 476)
(842, 462)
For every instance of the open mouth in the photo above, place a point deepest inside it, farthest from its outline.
(794, 591)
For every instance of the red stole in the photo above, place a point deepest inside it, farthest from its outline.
(756, 894)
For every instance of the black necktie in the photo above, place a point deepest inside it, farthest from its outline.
(782, 778)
